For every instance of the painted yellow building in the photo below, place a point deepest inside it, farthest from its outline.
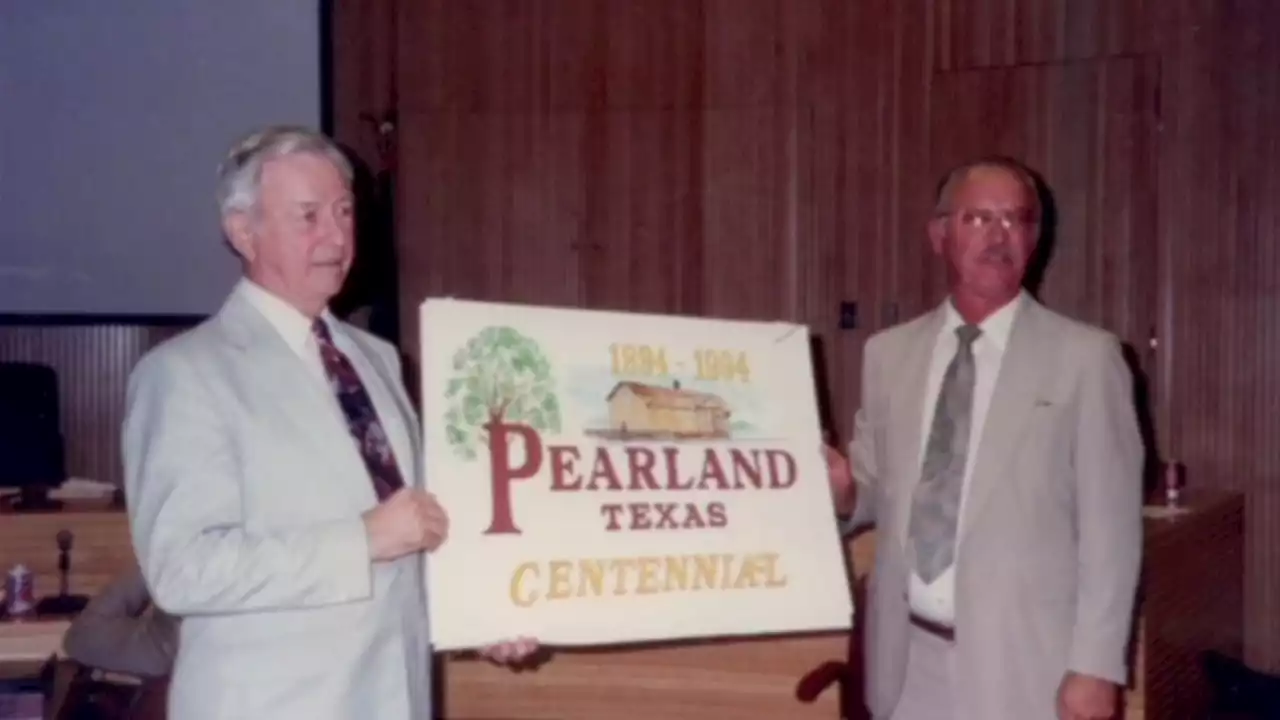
(652, 410)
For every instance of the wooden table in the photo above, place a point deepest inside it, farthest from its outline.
(1192, 600)
(25, 651)
(31, 641)
(101, 548)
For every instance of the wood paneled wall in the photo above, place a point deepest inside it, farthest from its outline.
(772, 158)
(684, 157)
(1219, 189)
(93, 363)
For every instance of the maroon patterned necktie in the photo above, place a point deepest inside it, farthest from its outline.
(362, 418)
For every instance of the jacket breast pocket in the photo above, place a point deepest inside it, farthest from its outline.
(1048, 434)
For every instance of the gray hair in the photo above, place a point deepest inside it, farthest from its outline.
(240, 174)
(947, 185)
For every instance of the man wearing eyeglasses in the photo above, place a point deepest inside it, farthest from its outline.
(997, 452)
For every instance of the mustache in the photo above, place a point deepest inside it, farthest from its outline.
(995, 254)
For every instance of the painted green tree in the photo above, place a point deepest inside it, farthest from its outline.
(500, 376)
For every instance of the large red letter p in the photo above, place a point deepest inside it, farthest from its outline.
(501, 436)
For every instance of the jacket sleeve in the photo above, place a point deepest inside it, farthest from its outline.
(183, 482)
(1108, 461)
(863, 458)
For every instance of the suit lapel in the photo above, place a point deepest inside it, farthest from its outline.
(908, 410)
(386, 373)
(303, 400)
(1012, 400)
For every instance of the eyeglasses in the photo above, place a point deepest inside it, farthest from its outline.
(983, 220)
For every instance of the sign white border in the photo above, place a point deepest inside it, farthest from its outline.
(663, 475)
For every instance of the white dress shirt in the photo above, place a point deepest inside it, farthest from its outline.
(295, 329)
(936, 600)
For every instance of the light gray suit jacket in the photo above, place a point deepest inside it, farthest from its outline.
(245, 491)
(1050, 545)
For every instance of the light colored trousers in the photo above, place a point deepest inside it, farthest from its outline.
(928, 691)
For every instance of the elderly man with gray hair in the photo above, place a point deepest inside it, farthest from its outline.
(272, 471)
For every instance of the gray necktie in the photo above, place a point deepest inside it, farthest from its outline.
(935, 507)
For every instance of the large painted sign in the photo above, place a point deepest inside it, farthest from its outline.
(616, 477)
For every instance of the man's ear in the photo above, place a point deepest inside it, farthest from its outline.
(937, 229)
(238, 227)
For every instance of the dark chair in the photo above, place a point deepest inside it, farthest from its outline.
(21, 696)
(31, 442)
(79, 694)
(844, 676)
(1240, 692)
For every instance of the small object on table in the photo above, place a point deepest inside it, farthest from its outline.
(19, 593)
(1172, 484)
(63, 603)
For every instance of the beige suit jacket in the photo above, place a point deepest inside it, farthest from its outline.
(1050, 544)
(245, 497)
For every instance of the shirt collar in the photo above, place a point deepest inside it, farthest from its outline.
(996, 328)
(293, 326)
